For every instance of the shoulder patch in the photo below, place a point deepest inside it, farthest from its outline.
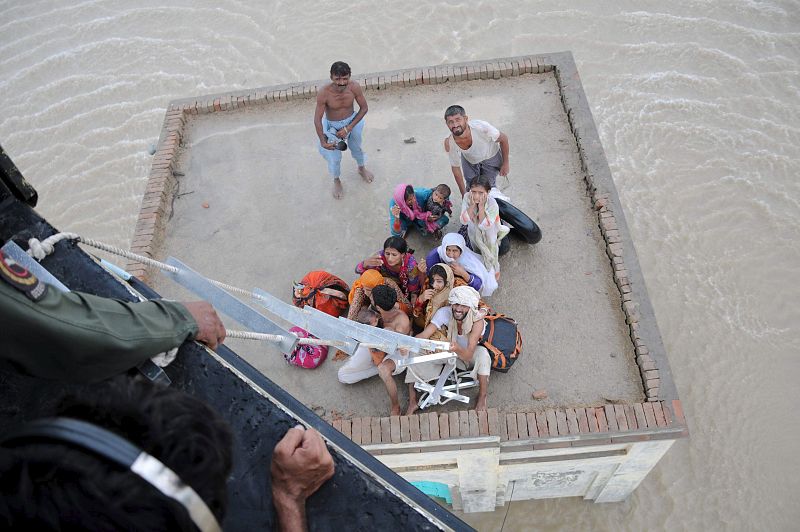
(21, 279)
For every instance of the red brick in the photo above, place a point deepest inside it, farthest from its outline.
(463, 423)
(541, 425)
(386, 430)
(503, 427)
(611, 418)
(494, 422)
(552, 422)
(561, 423)
(649, 415)
(533, 432)
(444, 426)
(631, 418)
(356, 436)
(473, 423)
(677, 409)
(405, 429)
(366, 431)
(483, 423)
(511, 421)
(337, 424)
(639, 411)
(375, 429)
(583, 422)
(645, 362)
(424, 427)
(522, 426)
(591, 417)
(433, 424)
(619, 413)
(659, 413)
(572, 421)
(528, 65)
(668, 417)
(394, 426)
(413, 422)
(455, 429)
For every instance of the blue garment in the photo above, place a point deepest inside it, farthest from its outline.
(353, 139)
(422, 195)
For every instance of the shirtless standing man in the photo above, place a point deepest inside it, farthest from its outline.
(474, 148)
(335, 120)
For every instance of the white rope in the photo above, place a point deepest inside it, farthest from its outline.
(40, 249)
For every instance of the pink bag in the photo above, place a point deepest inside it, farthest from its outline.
(306, 356)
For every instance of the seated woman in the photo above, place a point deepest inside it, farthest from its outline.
(465, 263)
(439, 282)
(481, 215)
(396, 262)
(408, 206)
(361, 294)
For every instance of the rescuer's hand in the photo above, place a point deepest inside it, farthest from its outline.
(210, 331)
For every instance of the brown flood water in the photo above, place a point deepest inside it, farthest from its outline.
(697, 107)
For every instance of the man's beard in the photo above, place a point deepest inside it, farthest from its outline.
(463, 315)
(457, 131)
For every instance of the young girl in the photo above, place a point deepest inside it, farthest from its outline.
(481, 215)
(437, 287)
(396, 261)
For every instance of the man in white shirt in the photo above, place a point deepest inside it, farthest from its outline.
(475, 147)
(464, 330)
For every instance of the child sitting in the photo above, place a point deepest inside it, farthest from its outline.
(438, 204)
(423, 207)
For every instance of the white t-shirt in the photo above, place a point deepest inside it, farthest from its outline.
(485, 144)
(442, 318)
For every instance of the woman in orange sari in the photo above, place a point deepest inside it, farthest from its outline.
(361, 294)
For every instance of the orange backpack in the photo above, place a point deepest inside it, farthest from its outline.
(323, 291)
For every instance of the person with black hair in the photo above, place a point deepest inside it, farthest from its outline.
(393, 320)
(480, 214)
(474, 147)
(396, 261)
(339, 126)
(132, 455)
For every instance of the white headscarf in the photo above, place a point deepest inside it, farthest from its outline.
(469, 260)
(464, 295)
(469, 297)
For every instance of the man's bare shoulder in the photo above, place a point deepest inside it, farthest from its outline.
(399, 322)
(324, 93)
(355, 88)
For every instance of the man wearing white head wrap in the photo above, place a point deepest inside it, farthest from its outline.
(464, 330)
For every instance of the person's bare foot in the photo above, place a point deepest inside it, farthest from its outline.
(412, 407)
(396, 410)
(497, 276)
(338, 189)
(480, 405)
(365, 174)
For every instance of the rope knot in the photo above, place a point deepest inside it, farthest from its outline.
(39, 249)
